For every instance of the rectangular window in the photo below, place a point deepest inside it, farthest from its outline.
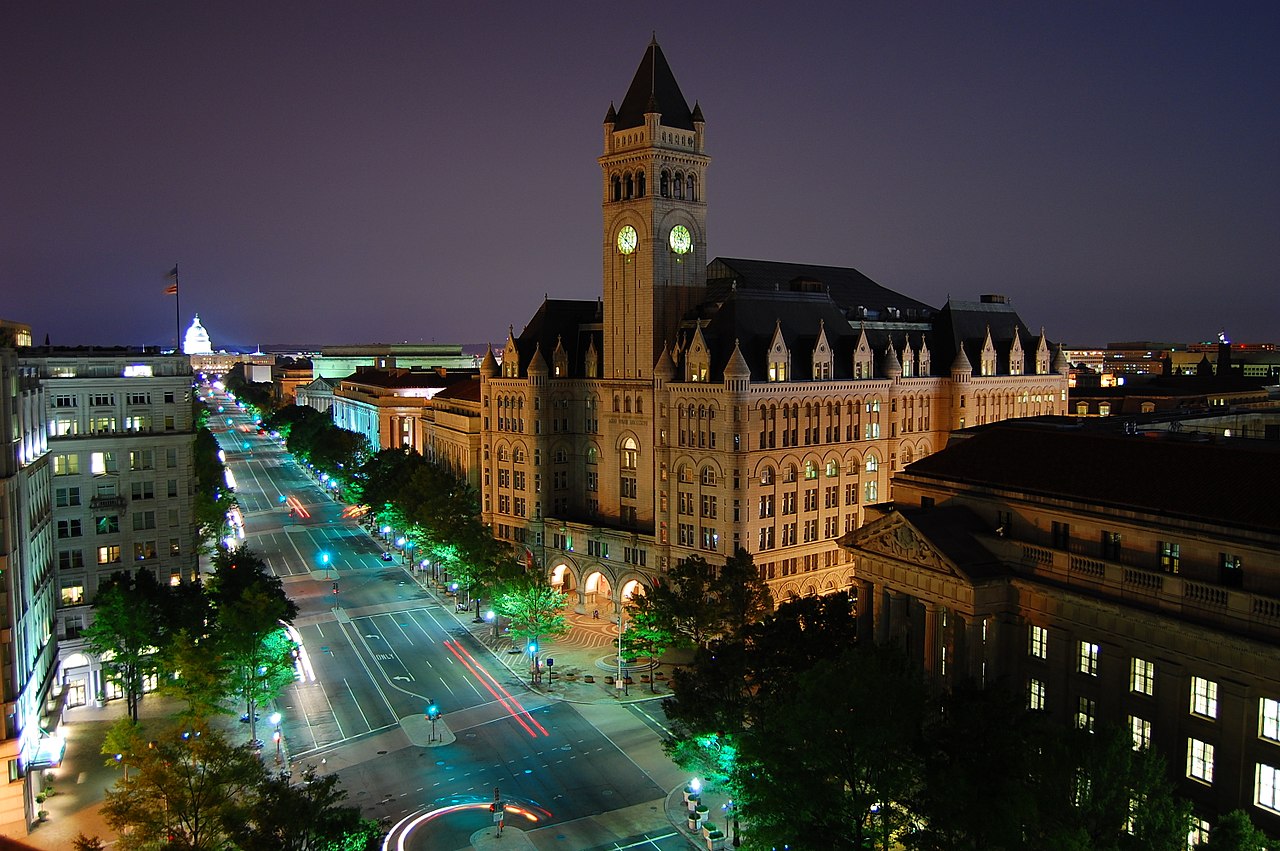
(1204, 697)
(143, 550)
(1038, 642)
(1086, 709)
(175, 548)
(1269, 719)
(171, 457)
(1170, 555)
(1141, 730)
(143, 490)
(1266, 787)
(1142, 676)
(109, 554)
(1088, 658)
(1110, 545)
(144, 520)
(171, 488)
(66, 497)
(66, 465)
(1035, 695)
(101, 463)
(108, 525)
(1061, 535)
(1200, 760)
(73, 594)
(69, 528)
(70, 559)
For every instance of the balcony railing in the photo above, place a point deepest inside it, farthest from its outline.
(117, 502)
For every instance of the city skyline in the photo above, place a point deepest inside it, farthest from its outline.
(395, 172)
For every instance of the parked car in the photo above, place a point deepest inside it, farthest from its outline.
(387, 556)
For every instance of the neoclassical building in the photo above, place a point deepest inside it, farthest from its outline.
(702, 406)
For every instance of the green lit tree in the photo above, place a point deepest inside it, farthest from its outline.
(535, 609)
(126, 630)
(1235, 832)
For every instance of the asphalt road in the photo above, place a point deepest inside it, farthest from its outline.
(381, 647)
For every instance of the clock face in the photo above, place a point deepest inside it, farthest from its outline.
(681, 241)
(627, 239)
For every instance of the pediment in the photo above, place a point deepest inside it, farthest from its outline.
(895, 538)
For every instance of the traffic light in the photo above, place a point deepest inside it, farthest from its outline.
(433, 711)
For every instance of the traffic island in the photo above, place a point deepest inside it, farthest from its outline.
(418, 728)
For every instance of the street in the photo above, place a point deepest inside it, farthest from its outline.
(377, 647)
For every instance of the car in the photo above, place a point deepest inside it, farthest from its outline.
(387, 556)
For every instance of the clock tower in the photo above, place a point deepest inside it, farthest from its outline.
(655, 213)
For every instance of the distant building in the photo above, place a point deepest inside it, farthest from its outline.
(287, 375)
(29, 739)
(317, 393)
(385, 405)
(1104, 577)
(196, 341)
(341, 361)
(699, 407)
(451, 430)
(121, 433)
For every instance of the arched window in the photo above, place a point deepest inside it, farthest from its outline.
(593, 455)
(617, 188)
(626, 405)
(692, 191)
(664, 184)
(833, 469)
(873, 463)
(766, 476)
(679, 185)
(630, 454)
(639, 404)
(709, 476)
(640, 184)
(631, 186)
(617, 405)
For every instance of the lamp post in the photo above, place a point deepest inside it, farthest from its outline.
(275, 722)
(731, 810)
(492, 618)
(622, 679)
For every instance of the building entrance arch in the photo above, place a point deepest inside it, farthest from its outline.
(597, 592)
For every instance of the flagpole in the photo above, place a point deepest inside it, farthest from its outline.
(177, 313)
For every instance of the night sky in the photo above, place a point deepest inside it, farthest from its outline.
(343, 172)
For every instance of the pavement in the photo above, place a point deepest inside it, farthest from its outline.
(579, 668)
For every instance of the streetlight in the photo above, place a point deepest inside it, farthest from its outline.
(492, 618)
(275, 722)
(622, 679)
(324, 559)
(433, 712)
(731, 810)
(533, 655)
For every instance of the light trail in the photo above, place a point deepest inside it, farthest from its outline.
(404, 828)
(506, 704)
(485, 678)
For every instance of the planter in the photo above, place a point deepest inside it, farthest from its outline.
(715, 841)
(708, 828)
(589, 678)
(694, 822)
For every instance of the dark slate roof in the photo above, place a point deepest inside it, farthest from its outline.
(561, 320)
(1230, 482)
(654, 88)
(966, 323)
(849, 288)
(400, 378)
(466, 391)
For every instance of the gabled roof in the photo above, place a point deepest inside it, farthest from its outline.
(848, 288)
(654, 89)
(944, 539)
(967, 322)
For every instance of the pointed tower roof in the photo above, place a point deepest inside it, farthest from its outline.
(961, 364)
(537, 363)
(654, 89)
(1060, 363)
(890, 366)
(489, 366)
(737, 365)
(665, 368)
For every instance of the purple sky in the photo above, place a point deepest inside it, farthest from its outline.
(330, 172)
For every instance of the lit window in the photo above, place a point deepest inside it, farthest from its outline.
(1269, 719)
(1266, 787)
(1035, 694)
(1089, 658)
(1141, 729)
(1142, 675)
(1038, 642)
(1086, 709)
(1198, 834)
(1200, 760)
(1204, 697)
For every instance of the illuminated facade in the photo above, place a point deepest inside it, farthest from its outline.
(386, 405)
(121, 431)
(27, 585)
(701, 407)
(1018, 556)
(196, 341)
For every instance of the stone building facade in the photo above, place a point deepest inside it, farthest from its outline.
(699, 407)
(1106, 576)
